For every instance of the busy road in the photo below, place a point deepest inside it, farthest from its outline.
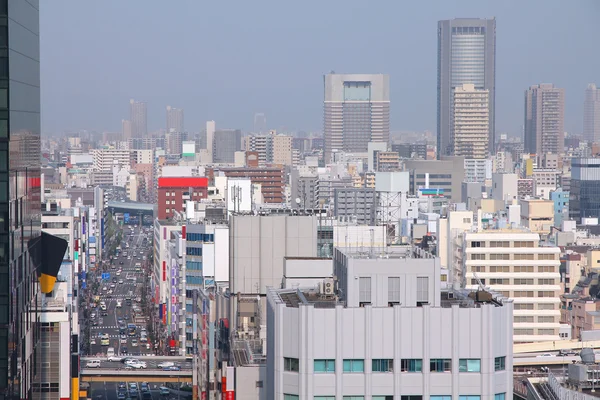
(122, 391)
(118, 325)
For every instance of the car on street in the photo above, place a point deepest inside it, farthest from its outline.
(95, 322)
(122, 385)
(112, 286)
(165, 364)
(164, 391)
(138, 365)
(93, 315)
(123, 341)
(124, 350)
(121, 396)
(114, 358)
(120, 281)
(567, 352)
(120, 321)
(133, 386)
(93, 364)
(104, 289)
(173, 368)
(134, 342)
(92, 341)
(546, 355)
(110, 291)
(121, 263)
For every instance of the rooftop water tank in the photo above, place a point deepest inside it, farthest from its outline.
(587, 356)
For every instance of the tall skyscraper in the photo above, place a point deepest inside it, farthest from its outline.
(470, 122)
(20, 199)
(138, 116)
(174, 119)
(544, 119)
(591, 114)
(466, 55)
(356, 111)
(260, 123)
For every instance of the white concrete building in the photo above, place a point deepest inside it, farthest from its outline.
(377, 335)
(512, 262)
(470, 132)
(105, 159)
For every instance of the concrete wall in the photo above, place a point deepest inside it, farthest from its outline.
(397, 333)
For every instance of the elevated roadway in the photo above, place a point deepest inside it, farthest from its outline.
(134, 375)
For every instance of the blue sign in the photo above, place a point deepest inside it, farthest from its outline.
(83, 285)
(126, 218)
(106, 276)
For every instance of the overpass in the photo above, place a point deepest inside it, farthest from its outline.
(134, 375)
(540, 347)
(130, 207)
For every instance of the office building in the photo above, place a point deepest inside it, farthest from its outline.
(584, 199)
(445, 176)
(355, 205)
(260, 123)
(126, 129)
(591, 114)
(470, 135)
(225, 143)
(174, 119)
(375, 333)
(560, 198)
(466, 55)
(271, 148)
(105, 159)
(175, 192)
(258, 245)
(20, 151)
(544, 119)
(138, 115)
(270, 179)
(356, 111)
(511, 262)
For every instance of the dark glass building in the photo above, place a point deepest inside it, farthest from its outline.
(584, 199)
(20, 216)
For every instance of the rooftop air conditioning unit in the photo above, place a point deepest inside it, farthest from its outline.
(328, 287)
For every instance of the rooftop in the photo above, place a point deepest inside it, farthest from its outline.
(393, 252)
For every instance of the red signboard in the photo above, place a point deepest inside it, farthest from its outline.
(183, 232)
(230, 395)
(164, 314)
(182, 182)
(164, 271)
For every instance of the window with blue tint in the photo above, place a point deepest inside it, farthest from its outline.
(193, 265)
(193, 251)
(188, 308)
(194, 280)
(469, 365)
(354, 366)
(354, 397)
(383, 365)
(469, 397)
(440, 365)
(324, 398)
(290, 396)
(291, 364)
(500, 363)
(324, 366)
(411, 365)
(500, 396)
(440, 397)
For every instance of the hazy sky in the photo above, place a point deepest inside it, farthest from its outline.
(226, 60)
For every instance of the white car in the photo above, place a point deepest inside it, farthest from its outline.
(134, 342)
(123, 341)
(546, 355)
(104, 289)
(165, 364)
(138, 365)
(93, 341)
(120, 281)
(112, 286)
(114, 358)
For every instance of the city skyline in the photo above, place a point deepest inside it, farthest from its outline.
(233, 98)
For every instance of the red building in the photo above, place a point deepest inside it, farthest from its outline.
(173, 192)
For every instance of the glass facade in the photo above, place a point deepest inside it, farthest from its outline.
(19, 195)
(584, 197)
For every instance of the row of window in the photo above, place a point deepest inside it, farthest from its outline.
(531, 293)
(200, 237)
(193, 251)
(516, 281)
(515, 268)
(541, 331)
(506, 256)
(503, 243)
(530, 318)
(498, 396)
(387, 365)
(530, 306)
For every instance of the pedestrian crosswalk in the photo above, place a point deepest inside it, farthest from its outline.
(104, 327)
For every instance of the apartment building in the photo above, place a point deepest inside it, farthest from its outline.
(512, 262)
(537, 215)
(270, 179)
(106, 159)
(174, 192)
(470, 134)
(374, 333)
